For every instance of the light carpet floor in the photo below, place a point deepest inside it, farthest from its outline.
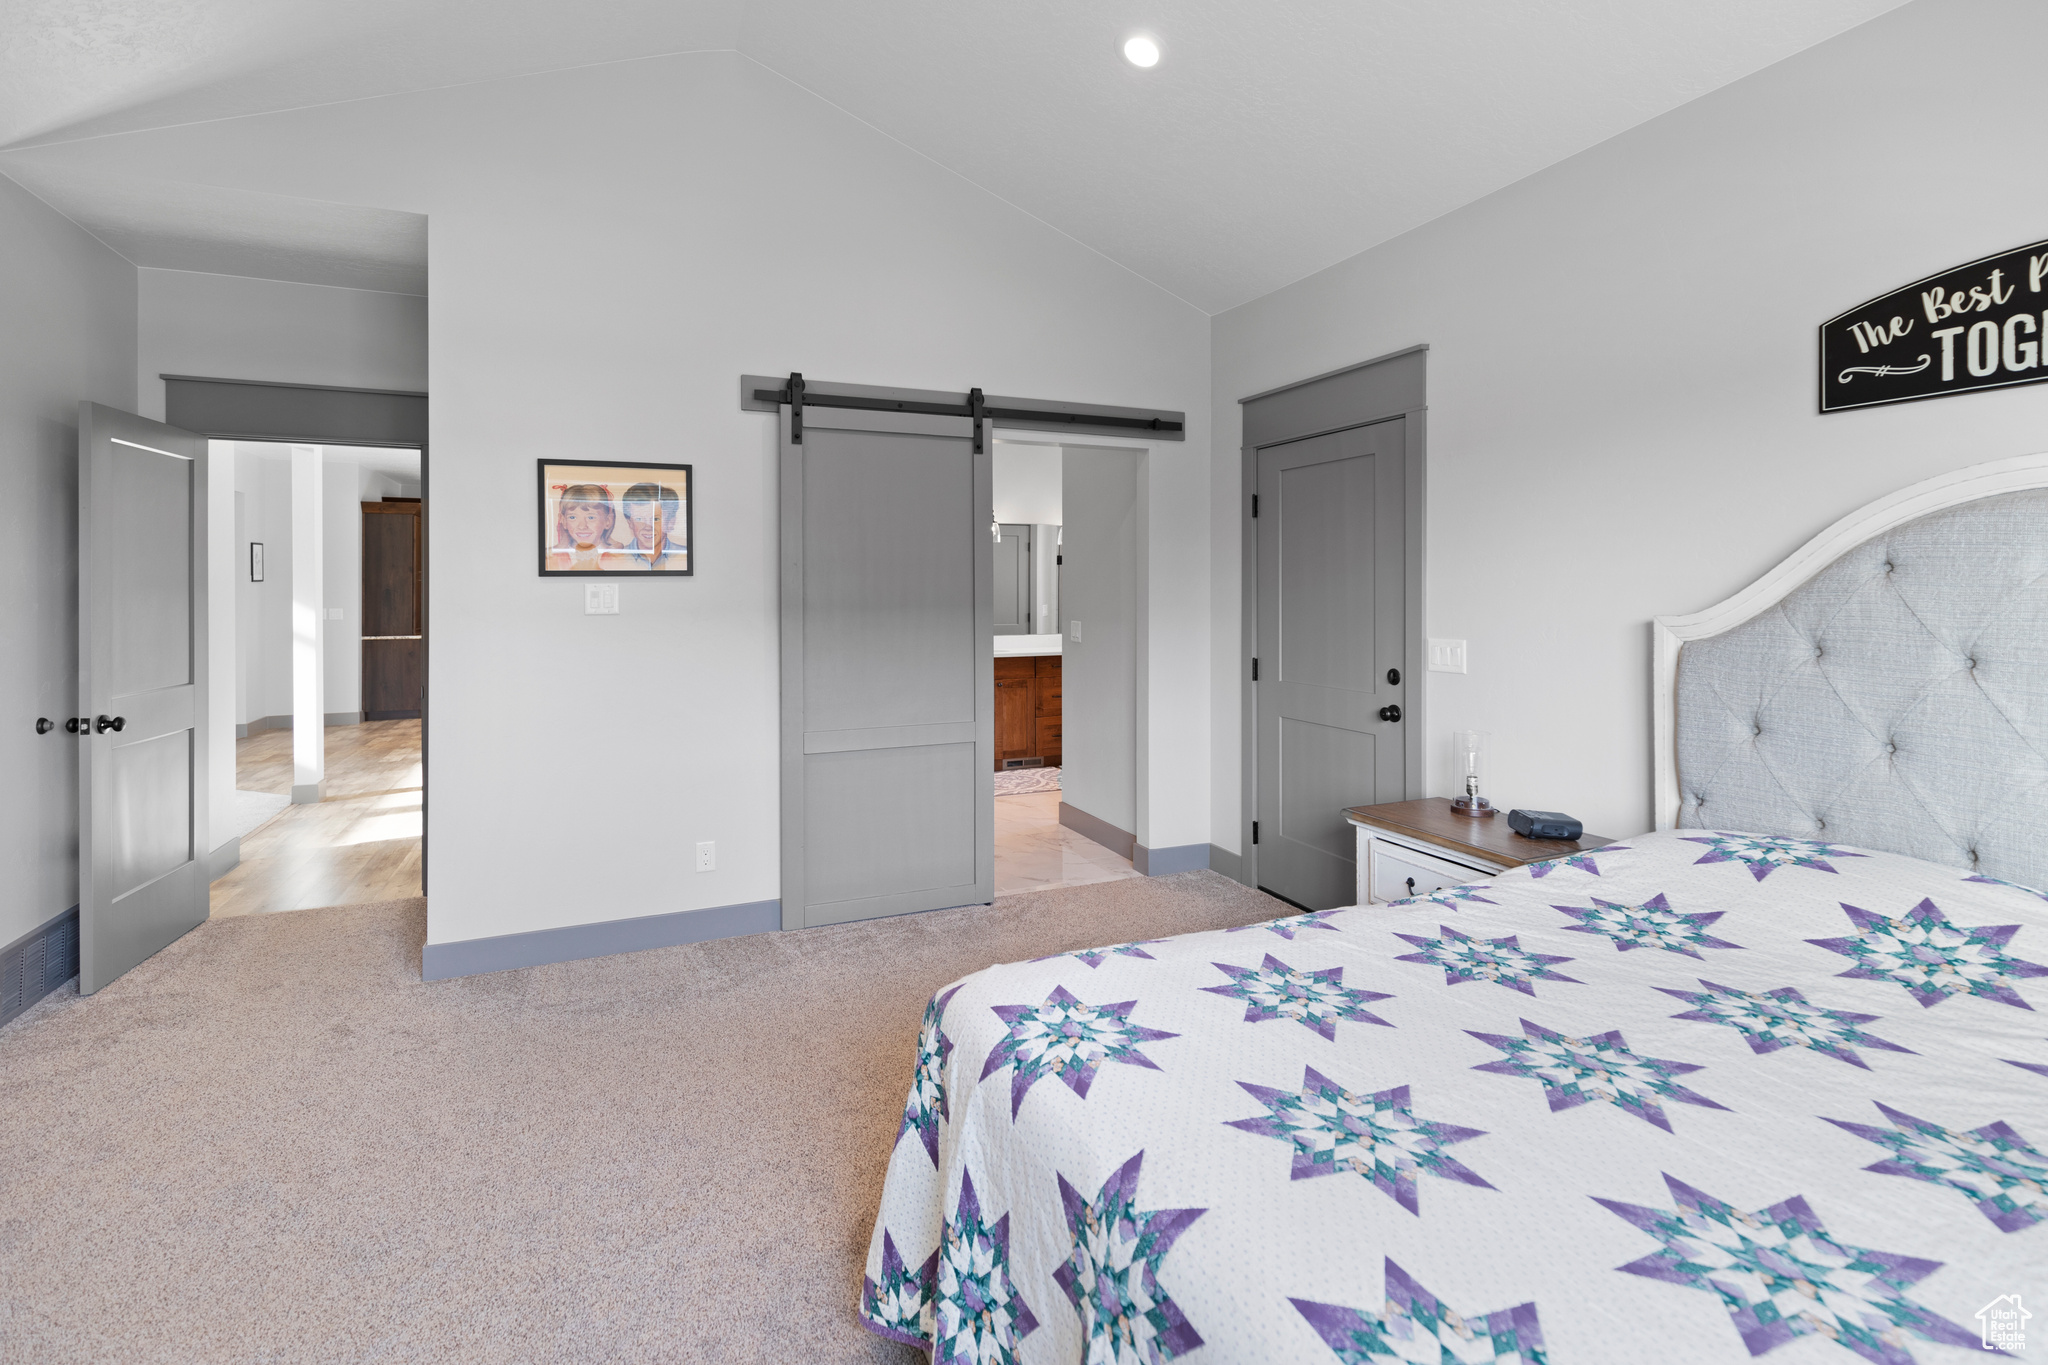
(273, 1142)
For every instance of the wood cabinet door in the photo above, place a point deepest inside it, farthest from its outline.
(1013, 719)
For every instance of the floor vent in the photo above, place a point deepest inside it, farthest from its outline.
(32, 967)
(1009, 763)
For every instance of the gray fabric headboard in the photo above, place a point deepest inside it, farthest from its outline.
(1898, 700)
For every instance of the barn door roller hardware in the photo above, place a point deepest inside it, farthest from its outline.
(765, 395)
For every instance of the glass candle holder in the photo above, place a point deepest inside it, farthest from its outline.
(1468, 753)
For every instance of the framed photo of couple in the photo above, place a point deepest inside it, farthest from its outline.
(614, 518)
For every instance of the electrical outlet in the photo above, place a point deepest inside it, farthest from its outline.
(600, 599)
(1074, 631)
(1447, 656)
(707, 855)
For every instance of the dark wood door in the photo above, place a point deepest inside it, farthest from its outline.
(394, 636)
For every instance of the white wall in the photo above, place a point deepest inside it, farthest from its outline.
(1025, 482)
(263, 611)
(612, 249)
(1621, 376)
(69, 305)
(231, 327)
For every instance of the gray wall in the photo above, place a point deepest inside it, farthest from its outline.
(1621, 376)
(1098, 733)
(69, 305)
(231, 327)
(611, 251)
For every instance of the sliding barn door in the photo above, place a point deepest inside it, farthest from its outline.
(142, 688)
(887, 667)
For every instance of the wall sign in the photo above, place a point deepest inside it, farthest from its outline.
(1976, 326)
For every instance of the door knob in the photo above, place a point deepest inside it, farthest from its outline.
(106, 723)
(1390, 713)
(44, 725)
(73, 724)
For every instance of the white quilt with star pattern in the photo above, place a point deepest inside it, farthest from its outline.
(1701, 1097)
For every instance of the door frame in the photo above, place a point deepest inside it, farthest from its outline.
(1377, 390)
(327, 415)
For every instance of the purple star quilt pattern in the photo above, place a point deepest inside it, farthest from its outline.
(1738, 1095)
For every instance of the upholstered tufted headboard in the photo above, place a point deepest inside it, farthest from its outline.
(1886, 687)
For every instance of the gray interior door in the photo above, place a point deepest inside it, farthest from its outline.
(1331, 621)
(1013, 575)
(142, 681)
(888, 667)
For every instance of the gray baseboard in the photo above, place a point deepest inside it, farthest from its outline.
(309, 793)
(1229, 864)
(1101, 831)
(1164, 862)
(38, 962)
(262, 723)
(224, 859)
(505, 952)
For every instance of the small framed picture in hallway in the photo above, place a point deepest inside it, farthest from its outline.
(614, 518)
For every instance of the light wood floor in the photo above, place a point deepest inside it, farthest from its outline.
(361, 844)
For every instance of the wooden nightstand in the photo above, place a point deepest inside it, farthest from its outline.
(1410, 848)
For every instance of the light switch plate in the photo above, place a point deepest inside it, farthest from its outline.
(334, 613)
(600, 599)
(1447, 656)
(1074, 631)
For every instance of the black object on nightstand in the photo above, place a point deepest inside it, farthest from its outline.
(1544, 824)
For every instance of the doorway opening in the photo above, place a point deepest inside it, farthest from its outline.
(1065, 701)
(318, 781)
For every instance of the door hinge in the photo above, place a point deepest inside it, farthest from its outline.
(1255, 668)
(1255, 507)
(1255, 831)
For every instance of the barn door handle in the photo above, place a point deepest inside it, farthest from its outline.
(1390, 713)
(106, 723)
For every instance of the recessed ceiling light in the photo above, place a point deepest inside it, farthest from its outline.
(1141, 51)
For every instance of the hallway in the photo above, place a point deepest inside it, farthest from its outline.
(360, 845)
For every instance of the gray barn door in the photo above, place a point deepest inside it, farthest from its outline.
(888, 667)
(142, 766)
(1331, 626)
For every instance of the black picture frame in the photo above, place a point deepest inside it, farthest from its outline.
(615, 549)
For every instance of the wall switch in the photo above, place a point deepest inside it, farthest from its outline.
(1447, 656)
(1074, 631)
(707, 856)
(600, 599)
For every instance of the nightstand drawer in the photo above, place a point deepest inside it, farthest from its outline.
(1393, 867)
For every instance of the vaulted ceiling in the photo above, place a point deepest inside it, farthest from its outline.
(1273, 139)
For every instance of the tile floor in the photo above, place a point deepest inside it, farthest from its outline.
(1034, 852)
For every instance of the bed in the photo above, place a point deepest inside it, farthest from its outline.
(1770, 1079)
